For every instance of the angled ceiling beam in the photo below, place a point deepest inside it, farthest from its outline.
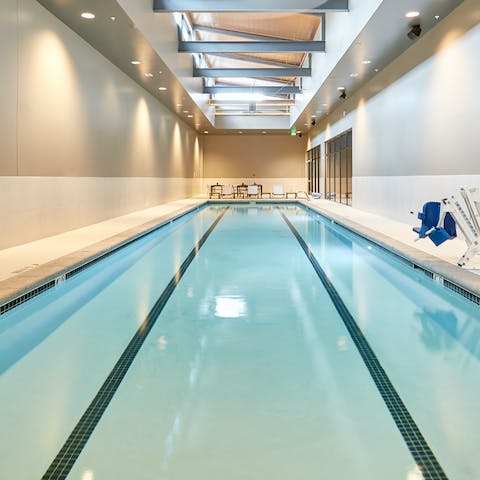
(300, 6)
(251, 72)
(249, 59)
(231, 33)
(253, 90)
(247, 113)
(268, 103)
(272, 80)
(251, 47)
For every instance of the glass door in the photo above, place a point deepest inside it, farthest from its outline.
(313, 168)
(338, 168)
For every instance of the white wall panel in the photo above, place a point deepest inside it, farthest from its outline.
(36, 207)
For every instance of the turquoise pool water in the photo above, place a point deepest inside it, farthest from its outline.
(247, 369)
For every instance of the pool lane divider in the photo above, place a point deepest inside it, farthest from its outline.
(416, 443)
(72, 448)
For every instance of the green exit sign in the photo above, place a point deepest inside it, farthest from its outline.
(293, 131)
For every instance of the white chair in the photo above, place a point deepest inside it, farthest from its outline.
(252, 191)
(278, 191)
(227, 191)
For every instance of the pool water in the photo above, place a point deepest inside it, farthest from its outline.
(246, 369)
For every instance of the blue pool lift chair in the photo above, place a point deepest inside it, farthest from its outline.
(440, 221)
(438, 226)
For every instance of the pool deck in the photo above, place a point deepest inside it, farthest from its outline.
(26, 267)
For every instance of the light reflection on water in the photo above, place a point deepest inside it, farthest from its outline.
(230, 306)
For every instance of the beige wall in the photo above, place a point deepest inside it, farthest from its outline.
(249, 156)
(8, 87)
(69, 115)
(265, 159)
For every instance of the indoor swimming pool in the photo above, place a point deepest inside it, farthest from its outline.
(246, 341)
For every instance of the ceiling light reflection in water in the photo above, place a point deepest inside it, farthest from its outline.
(88, 475)
(230, 307)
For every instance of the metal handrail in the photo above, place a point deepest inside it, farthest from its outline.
(306, 194)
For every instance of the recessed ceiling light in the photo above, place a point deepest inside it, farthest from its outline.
(437, 17)
(88, 15)
(366, 62)
(412, 14)
(185, 111)
(376, 70)
(135, 62)
(314, 116)
(306, 124)
(340, 88)
(354, 75)
(324, 104)
(149, 75)
(162, 89)
(205, 131)
(113, 18)
(190, 116)
(160, 72)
